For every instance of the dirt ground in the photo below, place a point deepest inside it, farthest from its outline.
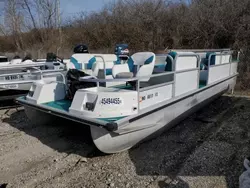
(206, 150)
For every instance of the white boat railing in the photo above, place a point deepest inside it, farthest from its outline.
(172, 82)
(200, 50)
(41, 73)
(24, 66)
(211, 68)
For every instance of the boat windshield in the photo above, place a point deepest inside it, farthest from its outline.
(3, 59)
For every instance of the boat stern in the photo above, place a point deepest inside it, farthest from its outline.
(108, 104)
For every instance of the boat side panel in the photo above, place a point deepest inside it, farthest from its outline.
(143, 128)
(186, 82)
(153, 96)
(234, 67)
(183, 63)
(217, 73)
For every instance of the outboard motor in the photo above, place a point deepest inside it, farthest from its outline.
(74, 84)
(17, 57)
(27, 57)
(51, 57)
(122, 51)
(52, 61)
(81, 49)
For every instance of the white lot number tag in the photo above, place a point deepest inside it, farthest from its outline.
(10, 86)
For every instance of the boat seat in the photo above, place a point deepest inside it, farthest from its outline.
(169, 65)
(140, 64)
(82, 61)
(121, 71)
(205, 59)
(110, 61)
(181, 60)
(160, 64)
(16, 61)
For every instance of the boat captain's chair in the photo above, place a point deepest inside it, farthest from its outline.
(82, 62)
(140, 64)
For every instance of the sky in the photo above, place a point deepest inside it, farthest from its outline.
(72, 7)
(1, 11)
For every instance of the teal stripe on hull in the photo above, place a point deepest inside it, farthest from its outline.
(112, 119)
(60, 105)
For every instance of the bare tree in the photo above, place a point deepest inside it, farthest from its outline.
(14, 22)
(143, 24)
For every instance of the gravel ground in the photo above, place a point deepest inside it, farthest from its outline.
(206, 150)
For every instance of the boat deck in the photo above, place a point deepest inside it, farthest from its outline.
(64, 105)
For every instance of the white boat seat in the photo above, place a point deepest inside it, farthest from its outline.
(121, 70)
(82, 61)
(160, 63)
(27, 61)
(98, 67)
(139, 65)
(16, 61)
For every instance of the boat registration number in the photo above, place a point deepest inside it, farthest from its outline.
(13, 77)
(105, 101)
(10, 86)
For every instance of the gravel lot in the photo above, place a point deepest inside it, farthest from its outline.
(206, 150)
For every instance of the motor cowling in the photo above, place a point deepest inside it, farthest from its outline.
(82, 48)
(122, 51)
(51, 57)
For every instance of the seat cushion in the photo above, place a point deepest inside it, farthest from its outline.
(124, 75)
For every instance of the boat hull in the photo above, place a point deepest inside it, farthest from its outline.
(13, 89)
(20, 87)
(148, 126)
(158, 121)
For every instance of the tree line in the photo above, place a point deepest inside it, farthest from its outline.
(35, 26)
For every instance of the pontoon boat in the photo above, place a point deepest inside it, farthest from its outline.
(17, 75)
(138, 98)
